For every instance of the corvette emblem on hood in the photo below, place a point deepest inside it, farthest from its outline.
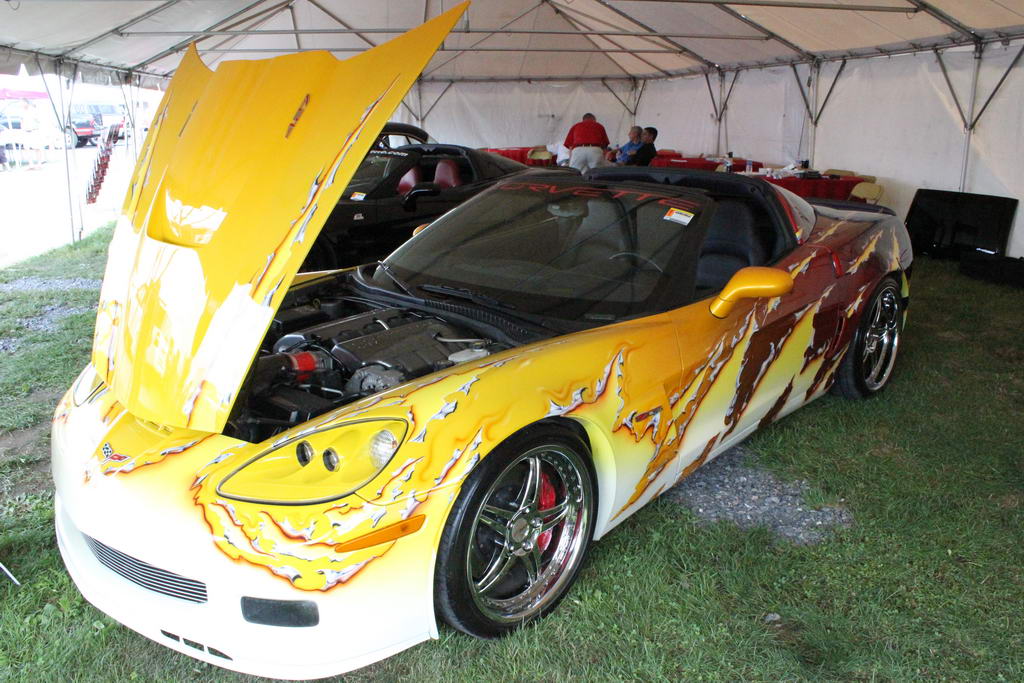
(240, 171)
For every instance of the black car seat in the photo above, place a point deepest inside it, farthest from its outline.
(733, 242)
(409, 180)
(600, 234)
(447, 174)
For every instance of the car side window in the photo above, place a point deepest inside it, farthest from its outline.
(740, 233)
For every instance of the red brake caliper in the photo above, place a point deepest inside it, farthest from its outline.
(547, 500)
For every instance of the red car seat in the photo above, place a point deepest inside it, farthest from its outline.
(411, 177)
(447, 174)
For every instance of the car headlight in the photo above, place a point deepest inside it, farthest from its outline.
(318, 467)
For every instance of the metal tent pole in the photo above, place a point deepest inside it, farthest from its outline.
(65, 124)
(969, 129)
(815, 77)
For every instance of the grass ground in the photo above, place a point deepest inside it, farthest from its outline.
(927, 584)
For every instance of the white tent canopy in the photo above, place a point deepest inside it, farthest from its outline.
(939, 105)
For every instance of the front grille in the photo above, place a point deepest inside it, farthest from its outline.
(146, 575)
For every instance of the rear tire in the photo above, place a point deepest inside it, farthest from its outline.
(867, 367)
(517, 534)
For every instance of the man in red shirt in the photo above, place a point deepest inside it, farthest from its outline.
(586, 141)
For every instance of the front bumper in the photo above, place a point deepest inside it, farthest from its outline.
(149, 515)
(215, 631)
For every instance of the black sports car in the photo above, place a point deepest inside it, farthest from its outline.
(395, 190)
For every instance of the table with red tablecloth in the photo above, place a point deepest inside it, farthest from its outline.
(701, 163)
(513, 153)
(520, 154)
(820, 188)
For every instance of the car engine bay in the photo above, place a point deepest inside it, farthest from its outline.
(327, 348)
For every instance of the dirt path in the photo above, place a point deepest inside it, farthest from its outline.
(25, 457)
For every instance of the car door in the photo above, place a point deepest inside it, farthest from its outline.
(763, 359)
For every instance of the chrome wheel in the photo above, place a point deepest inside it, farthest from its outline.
(529, 533)
(881, 339)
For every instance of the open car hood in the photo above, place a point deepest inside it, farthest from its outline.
(240, 170)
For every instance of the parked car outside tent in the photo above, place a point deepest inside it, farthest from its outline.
(91, 120)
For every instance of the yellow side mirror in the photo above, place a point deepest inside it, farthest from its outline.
(750, 283)
(418, 229)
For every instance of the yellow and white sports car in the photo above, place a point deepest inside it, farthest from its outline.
(298, 475)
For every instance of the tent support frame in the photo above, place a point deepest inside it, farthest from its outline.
(338, 20)
(117, 30)
(1016, 60)
(575, 23)
(567, 13)
(791, 4)
(970, 119)
(456, 31)
(255, 20)
(682, 48)
(937, 14)
(770, 34)
(458, 54)
(295, 25)
(831, 87)
(64, 121)
(436, 100)
(969, 129)
(632, 110)
(171, 50)
(952, 90)
(814, 77)
(711, 94)
(721, 106)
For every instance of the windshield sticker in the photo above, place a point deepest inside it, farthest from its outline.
(679, 216)
(602, 193)
(358, 196)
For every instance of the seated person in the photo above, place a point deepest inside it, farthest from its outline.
(621, 155)
(646, 153)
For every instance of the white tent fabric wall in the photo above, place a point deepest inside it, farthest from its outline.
(996, 164)
(765, 118)
(681, 111)
(519, 114)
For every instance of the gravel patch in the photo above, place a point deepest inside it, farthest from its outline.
(9, 344)
(735, 489)
(50, 316)
(39, 284)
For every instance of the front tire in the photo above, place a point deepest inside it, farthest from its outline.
(868, 364)
(517, 535)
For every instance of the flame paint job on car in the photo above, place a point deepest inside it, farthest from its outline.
(663, 405)
(220, 214)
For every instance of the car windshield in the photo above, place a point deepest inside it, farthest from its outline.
(563, 250)
(378, 166)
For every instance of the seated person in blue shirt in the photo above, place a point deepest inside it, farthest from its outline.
(645, 155)
(625, 151)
